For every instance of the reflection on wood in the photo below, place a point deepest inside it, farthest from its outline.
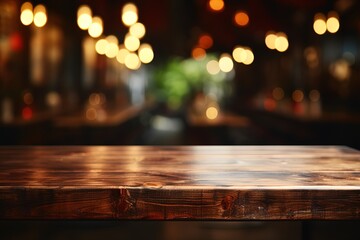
(173, 182)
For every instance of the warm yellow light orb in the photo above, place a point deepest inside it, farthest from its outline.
(213, 67)
(146, 53)
(319, 24)
(40, 17)
(132, 61)
(270, 39)
(129, 14)
(122, 53)
(225, 63)
(96, 28)
(332, 24)
(27, 15)
(281, 42)
(212, 113)
(249, 57)
(131, 43)
(101, 46)
(137, 30)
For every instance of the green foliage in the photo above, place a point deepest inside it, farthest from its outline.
(175, 80)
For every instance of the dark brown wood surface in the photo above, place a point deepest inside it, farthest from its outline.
(179, 182)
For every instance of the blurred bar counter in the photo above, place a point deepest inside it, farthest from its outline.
(117, 127)
(331, 127)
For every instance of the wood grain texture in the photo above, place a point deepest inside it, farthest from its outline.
(179, 182)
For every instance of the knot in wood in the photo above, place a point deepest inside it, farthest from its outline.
(227, 202)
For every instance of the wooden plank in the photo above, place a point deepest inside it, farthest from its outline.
(179, 182)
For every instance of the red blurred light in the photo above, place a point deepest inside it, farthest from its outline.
(16, 42)
(27, 113)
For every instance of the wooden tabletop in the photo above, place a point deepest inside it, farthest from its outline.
(179, 182)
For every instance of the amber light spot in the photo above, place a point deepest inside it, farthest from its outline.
(241, 19)
(212, 113)
(298, 96)
(216, 5)
(198, 53)
(269, 104)
(205, 41)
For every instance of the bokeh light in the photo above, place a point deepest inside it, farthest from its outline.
(319, 23)
(27, 113)
(129, 14)
(26, 16)
(239, 54)
(298, 96)
(241, 18)
(198, 53)
(122, 53)
(137, 30)
(84, 17)
(101, 46)
(131, 43)
(281, 42)
(112, 48)
(91, 114)
(249, 57)
(314, 95)
(332, 23)
(96, 28)
(243, 55)
(270, 39)
(205, 41)
(225, 63)
(216, 5)
(212, 113)
(53, 99)
(28, 98)
(213, 67)
(278, 93)
(40, 17)
(132, 61)
(146, 53)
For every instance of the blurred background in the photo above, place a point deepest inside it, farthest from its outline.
(180, 72)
